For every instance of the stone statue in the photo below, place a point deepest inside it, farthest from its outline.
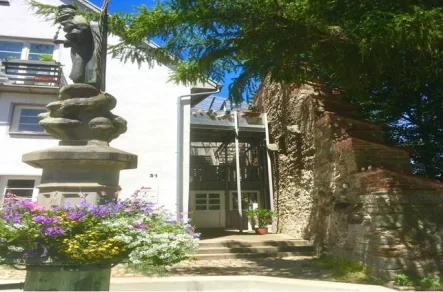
(87, 41)
(83, 110)
(83, 166)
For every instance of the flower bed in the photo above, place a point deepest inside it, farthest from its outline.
(130, 231)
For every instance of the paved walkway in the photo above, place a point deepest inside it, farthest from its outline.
(290, 267)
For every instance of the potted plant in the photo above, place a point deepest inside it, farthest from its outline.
(260, 218)
(252, 111)
(46, 58)
(61, 246)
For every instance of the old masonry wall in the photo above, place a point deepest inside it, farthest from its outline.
(337, 183)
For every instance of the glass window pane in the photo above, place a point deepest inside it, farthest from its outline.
(21, 183)
(22, 193)
(41, 49)
(214, 201)
(30, 128)
(29, 120)
(11, 46)
(31, 112)
(34, 57)
(200, 207)
(200, 196)
(7, 55)
(214, 207)
(214, 196)
(200, 201)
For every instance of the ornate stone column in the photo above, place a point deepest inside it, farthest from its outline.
(83, 165)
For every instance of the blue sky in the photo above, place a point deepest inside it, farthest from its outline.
(128, 6)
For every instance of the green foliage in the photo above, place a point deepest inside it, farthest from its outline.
(423, 283)
(429, 283)
(46, 57)
(253, 108)
(11, 58)
(345, 270)
(403, 280)
(385, 54)
(260, 217)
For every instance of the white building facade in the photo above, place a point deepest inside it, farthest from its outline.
(157, 112)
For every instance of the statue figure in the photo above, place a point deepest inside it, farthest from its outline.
(87, 40)
(83, 109)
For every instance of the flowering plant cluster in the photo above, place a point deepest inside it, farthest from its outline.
(129, 231)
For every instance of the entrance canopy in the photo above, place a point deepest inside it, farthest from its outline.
(219, 137)
(211, 126)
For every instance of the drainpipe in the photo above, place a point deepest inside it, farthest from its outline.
(183, 160)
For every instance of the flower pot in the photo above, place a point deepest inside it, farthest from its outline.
(261, 230)
(67, 278)
(251, 114)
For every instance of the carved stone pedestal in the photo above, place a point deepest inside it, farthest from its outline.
(76, 171)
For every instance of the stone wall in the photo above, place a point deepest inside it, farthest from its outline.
(293, 163)
(338, 184)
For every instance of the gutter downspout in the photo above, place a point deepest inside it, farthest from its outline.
(182, 159)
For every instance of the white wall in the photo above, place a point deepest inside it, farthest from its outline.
(13, 146)
(149, 104)
(144, 98)
(17, 20)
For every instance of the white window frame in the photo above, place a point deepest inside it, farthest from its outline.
(4, 185)
(15, 118)
(27, 45)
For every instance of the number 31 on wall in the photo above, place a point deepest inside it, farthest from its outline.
(152, 175)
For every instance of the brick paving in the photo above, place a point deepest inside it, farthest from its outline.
(301, 267)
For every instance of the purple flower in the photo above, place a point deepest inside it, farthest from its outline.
(139, 225)
(30, 206)
(12, 217)
(52, 231)
(30, 254)
(194, 234)
(76, 216)
(100, 211)
(45, 220)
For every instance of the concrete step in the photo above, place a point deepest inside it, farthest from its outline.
(249, 250)
(255, 243)
(220, 256)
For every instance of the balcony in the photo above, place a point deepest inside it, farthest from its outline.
(30, 76)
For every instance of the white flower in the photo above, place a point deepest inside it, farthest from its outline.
(16, 248)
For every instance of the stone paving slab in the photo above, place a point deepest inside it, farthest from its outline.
(302, 267)
(248, 237)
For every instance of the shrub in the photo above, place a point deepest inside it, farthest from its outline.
(402, 280)
(429, 283)
(346, 270)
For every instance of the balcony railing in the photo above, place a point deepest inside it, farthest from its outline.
(29, 72)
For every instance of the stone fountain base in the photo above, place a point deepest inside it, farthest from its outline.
(78, 170)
